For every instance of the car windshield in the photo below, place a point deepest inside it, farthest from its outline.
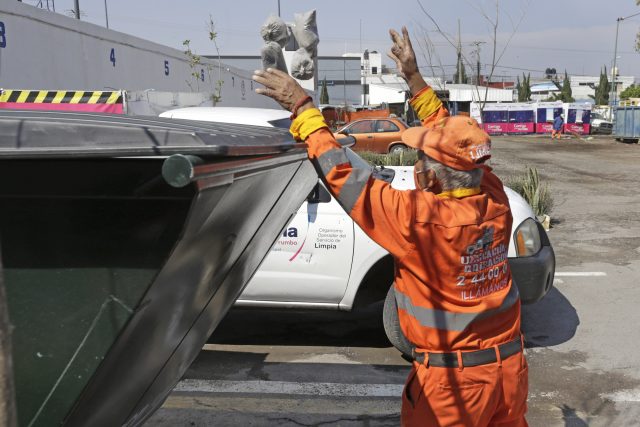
(596, 116)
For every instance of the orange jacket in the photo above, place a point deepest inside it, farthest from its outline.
(452, 281)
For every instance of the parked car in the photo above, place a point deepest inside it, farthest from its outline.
(600, 125)
(323, 260)
(381, 135)
(239, 115)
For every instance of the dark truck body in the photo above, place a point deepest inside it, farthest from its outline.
(114, 278)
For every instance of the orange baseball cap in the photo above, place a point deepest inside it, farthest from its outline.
(457, 142)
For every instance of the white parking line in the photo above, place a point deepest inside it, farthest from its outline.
(623, 396)
(580, 274)
(282, 387)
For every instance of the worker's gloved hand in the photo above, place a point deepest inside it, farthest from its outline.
(403, 55)
(281, 87)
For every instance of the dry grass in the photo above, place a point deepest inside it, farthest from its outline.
(404, 158)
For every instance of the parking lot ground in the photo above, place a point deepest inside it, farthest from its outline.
(301, 368)
(582, 340)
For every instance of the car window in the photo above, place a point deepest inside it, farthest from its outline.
(365, 126)
(386, 126)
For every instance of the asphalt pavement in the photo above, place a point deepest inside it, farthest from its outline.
(318, 368)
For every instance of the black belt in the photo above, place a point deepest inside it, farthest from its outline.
(471, 358)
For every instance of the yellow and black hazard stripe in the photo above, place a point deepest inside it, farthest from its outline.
(61, 96)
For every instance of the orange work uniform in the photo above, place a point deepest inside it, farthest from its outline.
(453, 284)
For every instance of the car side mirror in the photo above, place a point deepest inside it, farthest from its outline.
(344, 132)
(319, 194)
(384, 174)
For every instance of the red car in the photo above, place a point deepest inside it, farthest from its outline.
(380, 135)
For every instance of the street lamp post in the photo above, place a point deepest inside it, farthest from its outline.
(614, 90)
(613, 68)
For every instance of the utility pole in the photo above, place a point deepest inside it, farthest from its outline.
(344, 81)
(477, 45)
(365, 71)
(278, 8)
(77, 9)
(459, 66)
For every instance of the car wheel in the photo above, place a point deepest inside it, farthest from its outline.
(391, 325)
(397, 149)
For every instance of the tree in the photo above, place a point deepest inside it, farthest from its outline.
(601, 96)
(524, 94)
(324, 93)
(460, 75)
(551, 73)
(498, 47)
(518, 87)
(632, 91)
(565, 92)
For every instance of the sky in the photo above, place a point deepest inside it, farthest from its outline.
(573, 35)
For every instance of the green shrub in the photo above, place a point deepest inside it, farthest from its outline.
(538, 195)
(403, 158)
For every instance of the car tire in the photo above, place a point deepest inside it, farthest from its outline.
(391, 325)
(398, 148)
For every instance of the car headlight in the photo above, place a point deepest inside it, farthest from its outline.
(527, 238)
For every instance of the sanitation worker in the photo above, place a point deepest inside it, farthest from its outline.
(558, 122)
(449, 237)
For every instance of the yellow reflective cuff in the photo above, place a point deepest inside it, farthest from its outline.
(425, 103)
(307, 123)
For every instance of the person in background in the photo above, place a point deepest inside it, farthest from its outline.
(457, 303)
(558, 123)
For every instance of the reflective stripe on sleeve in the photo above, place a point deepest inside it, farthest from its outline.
(352, 189)
(331, 159)
(446, 320)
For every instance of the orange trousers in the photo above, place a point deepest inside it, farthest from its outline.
(488, 395)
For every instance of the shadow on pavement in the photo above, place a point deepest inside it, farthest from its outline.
(551, 321)
(361, 328)
(571, 419)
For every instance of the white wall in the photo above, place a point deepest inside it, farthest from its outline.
(46, 50)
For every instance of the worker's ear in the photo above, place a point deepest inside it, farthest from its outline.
(432, 182)
(425, 180)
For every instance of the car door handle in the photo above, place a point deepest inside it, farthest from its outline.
(369, 137)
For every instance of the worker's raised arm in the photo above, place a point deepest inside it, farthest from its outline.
(425, 102)
(379, 209)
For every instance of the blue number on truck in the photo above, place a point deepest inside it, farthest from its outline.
(112, 57)
(166, 68)
(3, 35)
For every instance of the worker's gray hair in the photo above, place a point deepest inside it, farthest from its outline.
(450, 178)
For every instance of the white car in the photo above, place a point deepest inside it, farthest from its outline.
(600, 125)
(239, 115)
(323, 260)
